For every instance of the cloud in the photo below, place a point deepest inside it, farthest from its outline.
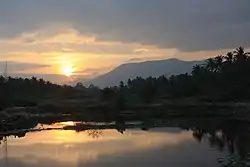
(142, 59)
(141, 50)
(20, 69)
(90, 73)
(189, 25)
(66, 40)
(15, 67)
(94, 70)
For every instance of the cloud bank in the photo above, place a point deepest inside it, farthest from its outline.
(186, 25)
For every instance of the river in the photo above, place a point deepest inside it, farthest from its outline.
(156, 147)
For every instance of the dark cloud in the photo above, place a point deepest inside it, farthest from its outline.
(13, 67)
(94, 71)
(186, 25)
(142, 59)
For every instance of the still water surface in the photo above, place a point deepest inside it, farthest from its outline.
(158, 147)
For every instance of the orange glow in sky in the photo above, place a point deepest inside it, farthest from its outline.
(68, 70)
(70, 55)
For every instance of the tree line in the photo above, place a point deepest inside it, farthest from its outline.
(222, 78)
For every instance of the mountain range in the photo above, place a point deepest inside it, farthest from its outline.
(144, 70)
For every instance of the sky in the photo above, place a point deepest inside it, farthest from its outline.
(86, 38)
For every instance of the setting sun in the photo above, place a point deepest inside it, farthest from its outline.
(68, 70)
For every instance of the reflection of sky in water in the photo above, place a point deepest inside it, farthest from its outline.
(158, 148)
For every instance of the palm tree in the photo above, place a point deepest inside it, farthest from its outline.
(240, 55)
(211, 64)
(197, 69)
(229, 57)
(219, 62)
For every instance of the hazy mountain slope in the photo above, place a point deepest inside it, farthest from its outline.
(143, 69)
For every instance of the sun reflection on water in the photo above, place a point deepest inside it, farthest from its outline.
(66, 147)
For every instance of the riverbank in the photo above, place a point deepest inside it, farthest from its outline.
(104, 111)
(123, 125)
(24, 117)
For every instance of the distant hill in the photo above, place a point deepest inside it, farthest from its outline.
(143, 69)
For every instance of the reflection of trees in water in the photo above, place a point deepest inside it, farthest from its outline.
(120, 125)
(95, 134)
(121, 130)
(233, 137)
(3, 139)
(234, 161)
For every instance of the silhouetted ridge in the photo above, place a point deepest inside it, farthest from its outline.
(143, 69)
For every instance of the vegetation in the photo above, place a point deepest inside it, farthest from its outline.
(32, 92)
(223, 78)
(220, 79)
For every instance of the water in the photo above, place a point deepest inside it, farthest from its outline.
(157, 147)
